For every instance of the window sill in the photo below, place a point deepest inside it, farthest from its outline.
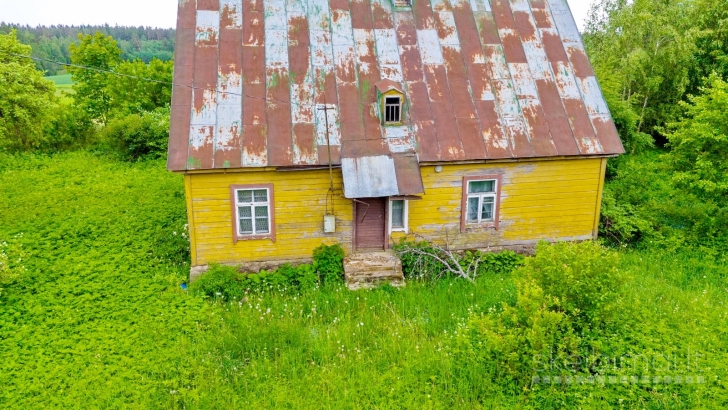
(476, 227)
(240, 238)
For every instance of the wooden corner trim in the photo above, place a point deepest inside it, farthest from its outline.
(234, 213)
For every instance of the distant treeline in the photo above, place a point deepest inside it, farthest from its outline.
(52, 42)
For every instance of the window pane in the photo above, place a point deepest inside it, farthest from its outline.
(261, 195)
(478, 187)
(487, 214)
(392, 101)
(246, 226)
(261, 225)
(397, 214)
(488, 199)
(244, 212)
(245, 196)
(261, 211)
(396, 117)
(473, 209)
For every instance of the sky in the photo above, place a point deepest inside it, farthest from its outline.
(155, 13)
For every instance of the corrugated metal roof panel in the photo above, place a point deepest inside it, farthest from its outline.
(483, 79)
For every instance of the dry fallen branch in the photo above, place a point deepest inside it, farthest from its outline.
(445, 255)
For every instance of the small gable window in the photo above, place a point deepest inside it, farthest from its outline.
(392, 110)
(391, 102)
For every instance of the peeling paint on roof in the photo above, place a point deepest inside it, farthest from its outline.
(482, 79)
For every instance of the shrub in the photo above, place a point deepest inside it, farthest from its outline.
(227, 283)
(566, 295)
(144, 135)
(328, 262)
(424, 260)
(416, 267)
(220, 282)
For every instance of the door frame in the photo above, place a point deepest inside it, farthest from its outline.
(354, 244)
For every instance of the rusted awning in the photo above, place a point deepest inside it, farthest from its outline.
(381, 176)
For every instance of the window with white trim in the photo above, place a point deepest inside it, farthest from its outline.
(398, 215)
(481, 201)
(253, 211)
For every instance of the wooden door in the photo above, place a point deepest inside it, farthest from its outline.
(370, 226)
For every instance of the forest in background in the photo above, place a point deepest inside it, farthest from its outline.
(53, 42)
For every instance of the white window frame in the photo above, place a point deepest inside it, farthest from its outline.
(405, 216)
(253, 205)
(481, 196)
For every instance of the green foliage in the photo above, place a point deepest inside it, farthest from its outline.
(11, 262)
(328, 262)
(143, 135)
(99, 311)
(699, 143)
(229, 283)
(27, 100)
(567, 294)
(70, 128)
(645, 49)
(495, 263)
(415, 267)
(53, 43)
(134, 95)
(427, 262)
(101, 53)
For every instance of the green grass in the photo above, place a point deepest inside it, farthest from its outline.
(100, 321)
(64, 83)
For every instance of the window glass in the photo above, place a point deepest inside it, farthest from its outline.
(398, 214)
(487, 212)
(246, 226)
(481, 201)
(245, 196)
(473, 209)
(261, 195)
(253, 211)
(392, 108)
(477, 187)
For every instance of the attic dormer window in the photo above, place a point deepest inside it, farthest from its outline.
(392, 110)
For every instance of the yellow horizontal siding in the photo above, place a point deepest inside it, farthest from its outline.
(300, 206)
(554, 200)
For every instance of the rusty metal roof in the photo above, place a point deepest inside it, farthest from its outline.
(482, 80)
(381, 175)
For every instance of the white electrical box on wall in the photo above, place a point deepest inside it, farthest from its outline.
(329, 224)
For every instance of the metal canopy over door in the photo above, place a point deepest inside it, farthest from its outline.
(370, 225)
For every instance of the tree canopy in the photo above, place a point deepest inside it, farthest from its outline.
(26, 98)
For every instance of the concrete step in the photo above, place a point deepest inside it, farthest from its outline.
(367, 270)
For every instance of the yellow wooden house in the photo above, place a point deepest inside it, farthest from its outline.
(297, 123)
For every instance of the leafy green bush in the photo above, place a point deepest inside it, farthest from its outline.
(496, 263)
(567, 294)
(144, 135)
(416, 267)
(328, 262)
(227, 283)
(221, 281)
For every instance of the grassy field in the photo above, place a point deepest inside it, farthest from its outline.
(99, 319)
(64, 83)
